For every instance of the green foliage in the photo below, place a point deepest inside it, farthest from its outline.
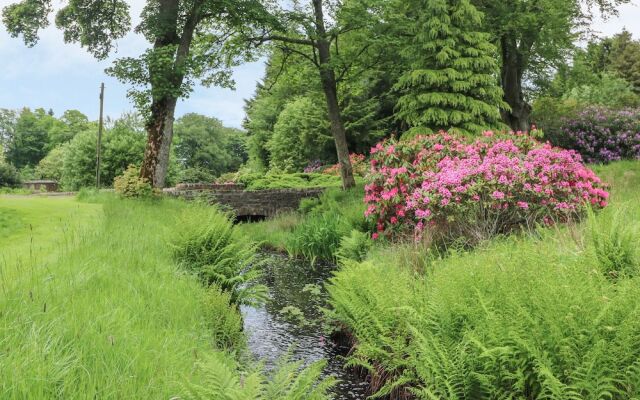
(130, 184)
(624, 55)
(257, 181)
(122, 145)
(549, 114)
(614, 243)
(317, 236)
(346, 203)
(294, 315)
(354, 247)
(9, 176)
(223, 319)
(289, 382)
(321, 231)
(607, 90)
(64, 129)
(207, 244)
(535, 316)
(28, 143)
(52, 165)
(286, 78)
(539, 36)
(204, 144)
(300, 135)
(79, 166)
(195, 175)
(594, 76)
(291, 82)
(451, 80)
(316, 232)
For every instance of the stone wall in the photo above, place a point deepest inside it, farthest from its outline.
(48, 186)
(245, 203)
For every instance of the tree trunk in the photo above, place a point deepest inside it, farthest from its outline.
(330, 88)
(159, 136)
(511, 78)
(160, 125)
(165, 148)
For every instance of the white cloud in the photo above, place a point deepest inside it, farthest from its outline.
(629, 15)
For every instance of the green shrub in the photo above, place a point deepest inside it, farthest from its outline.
(309, 204)
(608, 90)
(521, 318)
(317, 236)
(9, 176)
(288, 181)
(52, 165)
(347, 203)
(224, 319)
(301, 134)
(549, 114)
(221, 381)
(614, 243)
(354, 247)
(207, 244)
(130, 184)
(195, 175)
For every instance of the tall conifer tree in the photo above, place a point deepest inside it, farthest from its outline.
(452, 83)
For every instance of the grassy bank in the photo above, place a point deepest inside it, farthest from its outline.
(550, 314)
(545, 314)
(317, 229)
(93, 306)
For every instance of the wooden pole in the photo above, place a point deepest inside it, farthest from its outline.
(99, 143)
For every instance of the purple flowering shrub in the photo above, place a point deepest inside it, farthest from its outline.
(603, 135)
(454, 187)
(314, 167)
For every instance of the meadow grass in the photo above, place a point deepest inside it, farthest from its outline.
(535, 315)
(34, 230)
(100, 308)
(313, 232)
(101, 311)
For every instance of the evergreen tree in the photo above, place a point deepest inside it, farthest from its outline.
(452, 82)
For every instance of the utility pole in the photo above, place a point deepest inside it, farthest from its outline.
(99, 143)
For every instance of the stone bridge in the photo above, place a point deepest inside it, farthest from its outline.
(245, 203)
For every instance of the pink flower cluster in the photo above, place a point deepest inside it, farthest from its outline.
(498, 181)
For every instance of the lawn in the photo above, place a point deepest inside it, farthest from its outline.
(34, 230)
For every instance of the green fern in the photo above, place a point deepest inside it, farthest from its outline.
(206, 243)
(520, 318)
(221, 379)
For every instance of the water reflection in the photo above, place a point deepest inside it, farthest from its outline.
(296, 287)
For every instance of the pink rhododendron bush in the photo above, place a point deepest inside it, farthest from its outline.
(453, 187)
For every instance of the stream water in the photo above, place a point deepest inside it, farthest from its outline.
(291, 321)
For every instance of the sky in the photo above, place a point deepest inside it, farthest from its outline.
(59, 76)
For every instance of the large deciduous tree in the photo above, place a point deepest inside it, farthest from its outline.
(311, 30)
(186, 38)
(205, 144)
(29, 141)
(534, 37)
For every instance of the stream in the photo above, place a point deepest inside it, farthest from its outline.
(291, 321)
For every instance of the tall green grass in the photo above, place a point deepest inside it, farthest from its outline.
(533, 316)
(315, 232)
(207, 244)
(98, 309)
